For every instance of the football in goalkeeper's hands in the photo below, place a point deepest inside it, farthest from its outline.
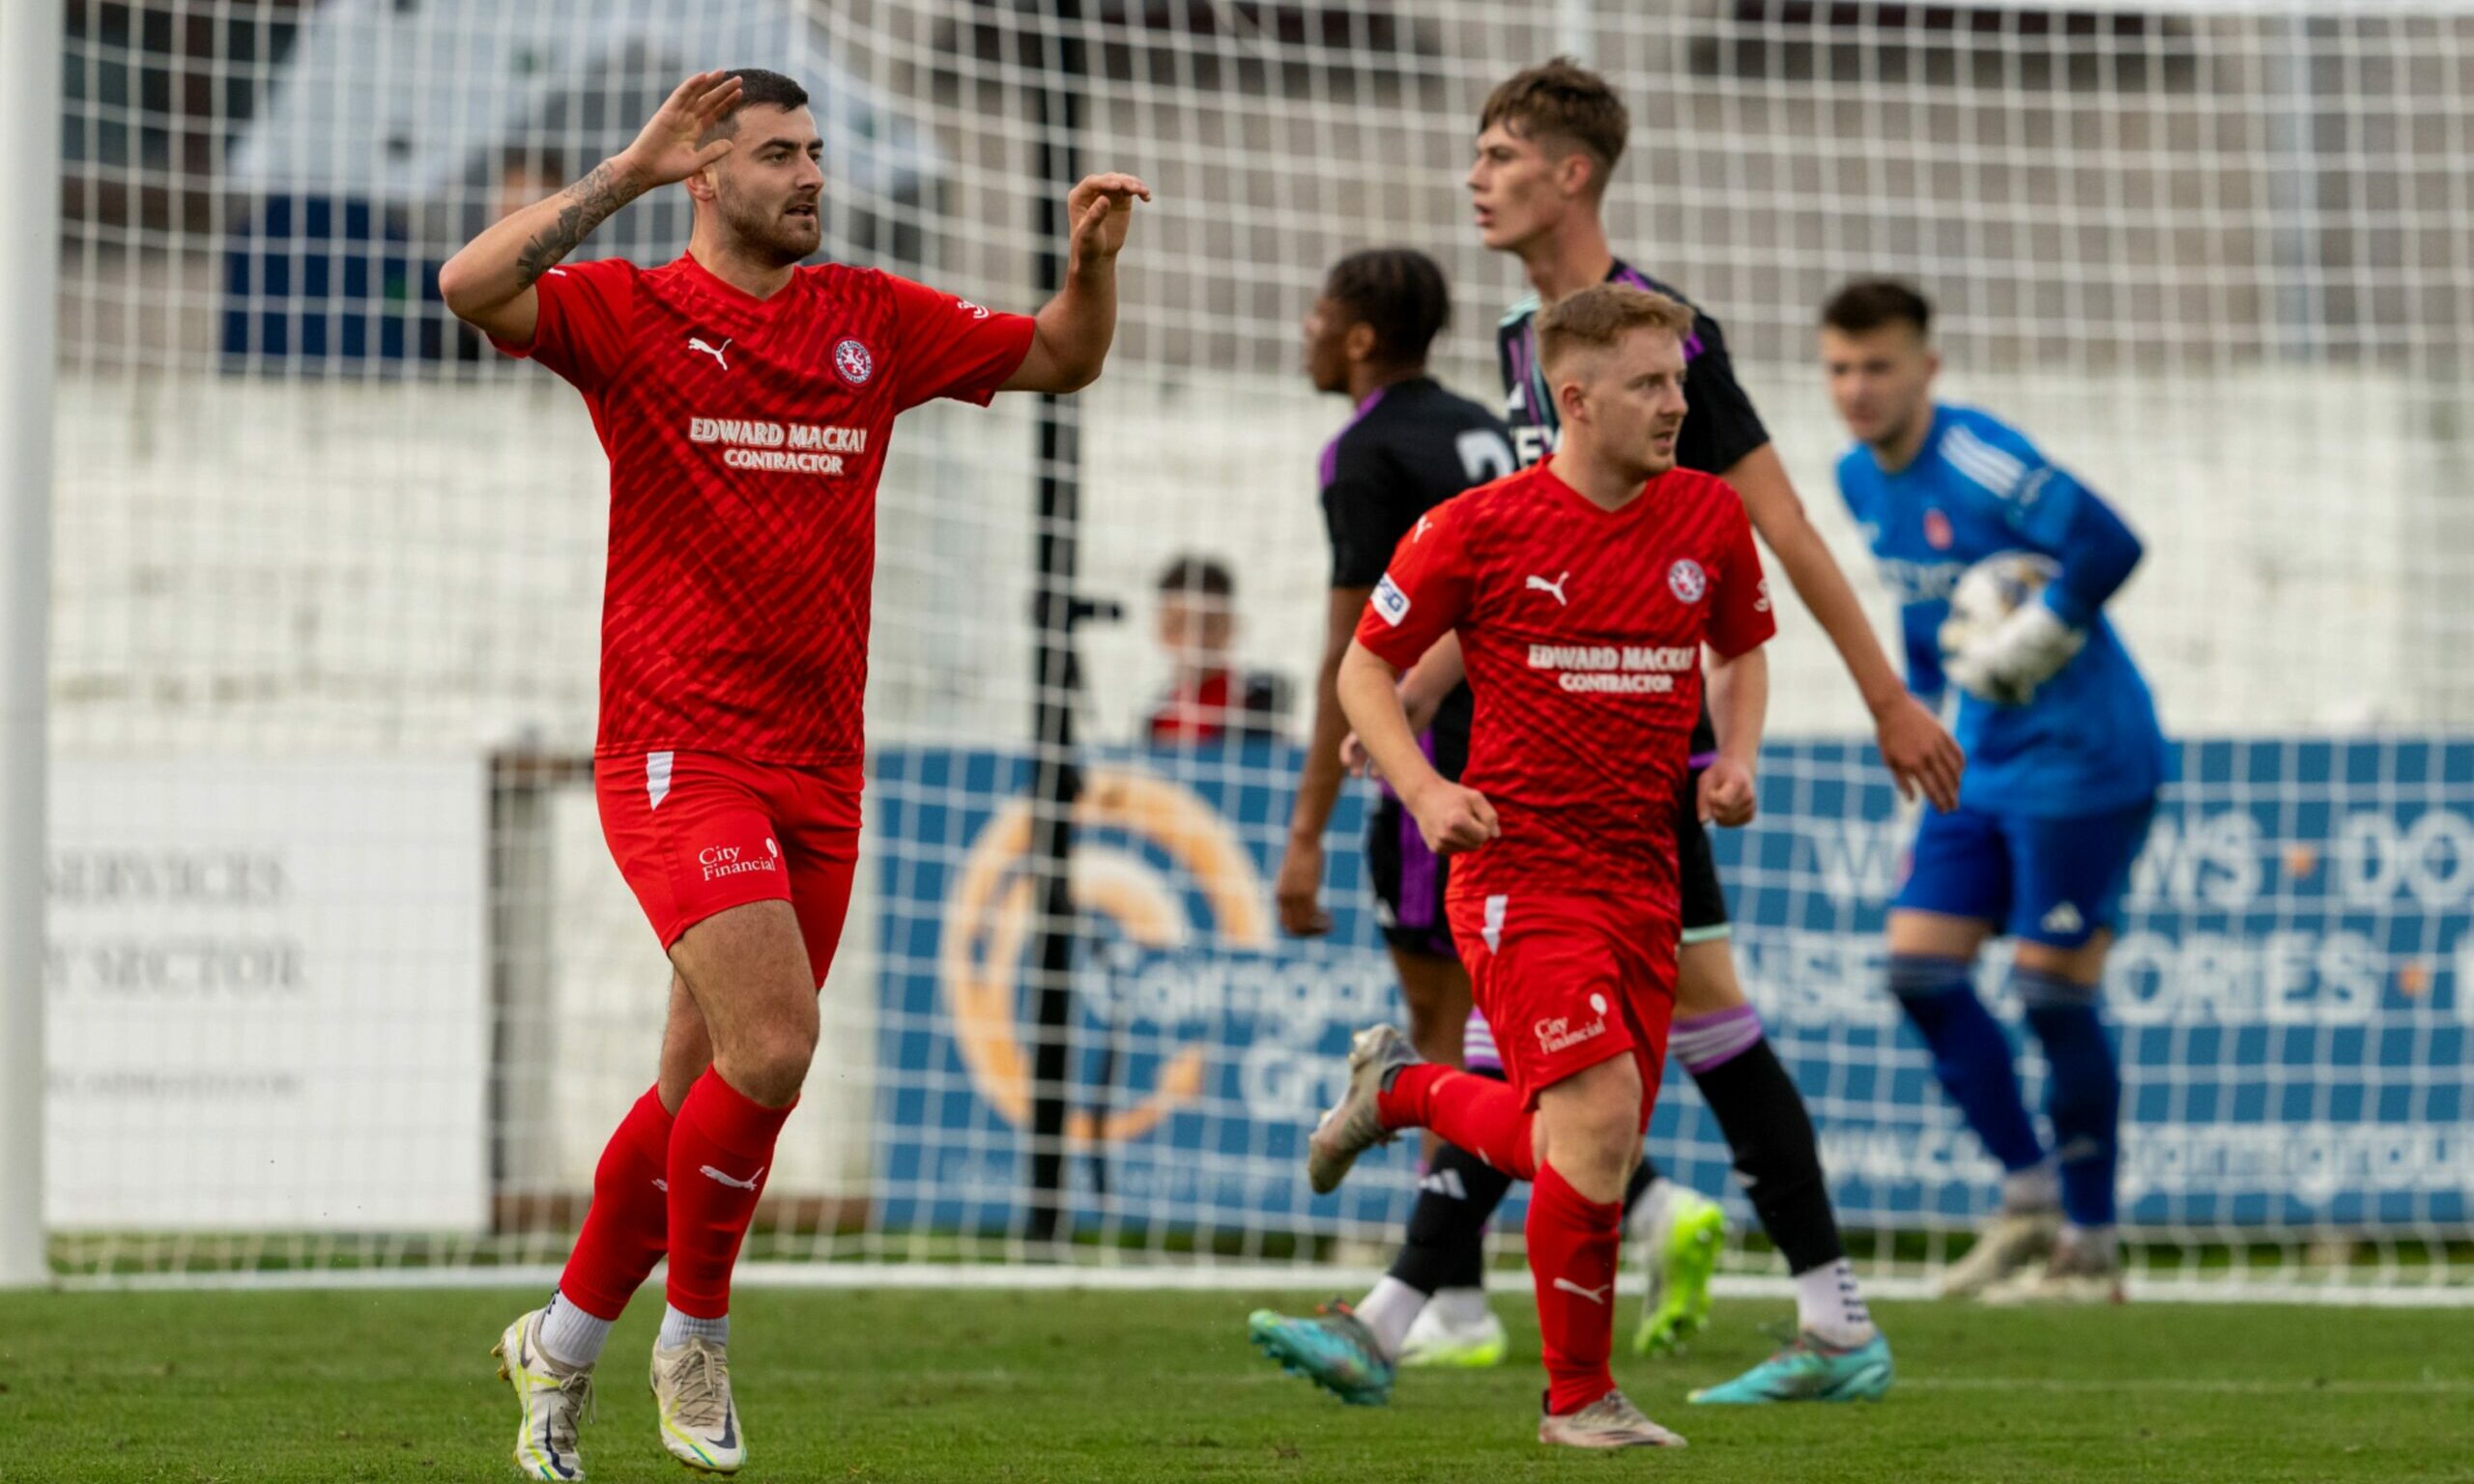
(1976, 649)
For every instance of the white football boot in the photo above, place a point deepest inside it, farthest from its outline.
(553, 1398)
(2008, 1245)
(698, 1419)
(1609, 1422)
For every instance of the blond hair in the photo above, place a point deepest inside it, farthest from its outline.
(1598, 317)
(1565, 101)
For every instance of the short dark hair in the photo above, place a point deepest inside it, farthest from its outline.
(531, 157)
(1567, 102)
(1867, 305)
(1197, 577)
(757, 86)
(1399, 291)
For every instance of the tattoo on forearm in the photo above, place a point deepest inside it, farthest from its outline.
(592, 201)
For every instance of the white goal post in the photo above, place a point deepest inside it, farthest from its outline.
(29, 41)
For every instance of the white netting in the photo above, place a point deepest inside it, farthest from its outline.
(341, 971)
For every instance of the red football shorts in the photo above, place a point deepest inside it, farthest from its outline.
(1568, 981)
(697, 834)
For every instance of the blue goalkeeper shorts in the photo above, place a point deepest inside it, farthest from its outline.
(2054, 881)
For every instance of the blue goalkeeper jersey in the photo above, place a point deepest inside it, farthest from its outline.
(2087, 742)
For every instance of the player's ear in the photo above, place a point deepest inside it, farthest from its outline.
(1358, 343)
(1577, 174)
(1571, 401)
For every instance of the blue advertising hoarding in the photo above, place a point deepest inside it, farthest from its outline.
(2288, 991)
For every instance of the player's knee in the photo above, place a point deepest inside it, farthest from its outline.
(1936, 936)
(2081, 964)
(1435, 991)
(1591, 1125)
(771, 1062)
(1705, 978)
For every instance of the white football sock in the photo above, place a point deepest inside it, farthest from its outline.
(678, 1329)
(2037, 1187)
(1831, 1308)
(569, 1336)
(1461, 1308)
(1649, 1213)
(1388, 1309)
(2090, 1239)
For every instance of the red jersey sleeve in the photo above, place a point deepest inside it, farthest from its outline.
(1740, 616)
(950, 347)
(586, 312)
(1424, 592)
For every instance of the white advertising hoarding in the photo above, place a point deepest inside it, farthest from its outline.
(269, 994)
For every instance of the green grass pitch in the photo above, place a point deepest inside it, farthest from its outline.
(896, 1385)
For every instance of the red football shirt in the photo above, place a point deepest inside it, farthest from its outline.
(745, 439)
(1582, 632)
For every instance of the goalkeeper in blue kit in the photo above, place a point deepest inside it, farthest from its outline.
(2065, 763)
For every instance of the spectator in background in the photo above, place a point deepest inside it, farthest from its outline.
(527, 173)
(1209, 697)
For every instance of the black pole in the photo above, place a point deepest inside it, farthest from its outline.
(1055, 670)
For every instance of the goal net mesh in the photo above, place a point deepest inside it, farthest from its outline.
(342, 974)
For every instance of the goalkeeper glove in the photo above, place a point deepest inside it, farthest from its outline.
(2023, 652)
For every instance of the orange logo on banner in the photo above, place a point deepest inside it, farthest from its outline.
(989, 915)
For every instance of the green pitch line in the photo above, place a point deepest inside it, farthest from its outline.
(881, 1385)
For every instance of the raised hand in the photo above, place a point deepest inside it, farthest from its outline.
(1101, 208)
(668, 150)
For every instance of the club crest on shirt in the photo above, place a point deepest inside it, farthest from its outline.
(852, 362)
(1687, 581)
(1937, 533)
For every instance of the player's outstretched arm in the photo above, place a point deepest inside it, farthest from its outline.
(489, 283)
(1450, 817)
(1920, 750)
(1070, 337)
(1738, 707)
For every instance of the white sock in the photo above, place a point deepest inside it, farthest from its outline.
(1831, 1308)
(1650, 1212)
(1388, 1309)
(678, 1329)
(2037, 1187)
(1461, 1308)
(2091, 1239)
(569, 1336)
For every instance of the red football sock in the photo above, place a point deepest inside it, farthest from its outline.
(1572, 1245)
(1479, 1114)
(719, 1151)
(627, 1225)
